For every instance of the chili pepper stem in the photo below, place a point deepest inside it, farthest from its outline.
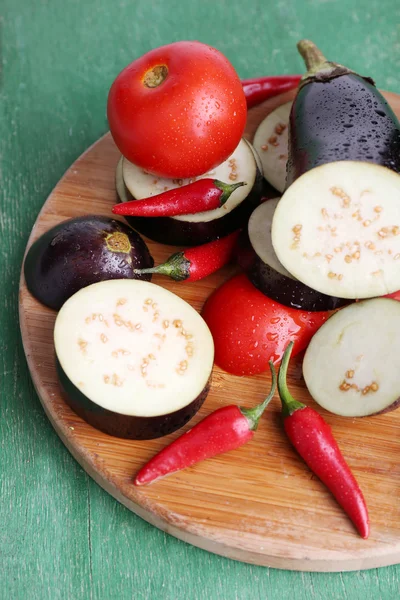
(177, 267)
(227, 189)
(253, 414)
(289, 404)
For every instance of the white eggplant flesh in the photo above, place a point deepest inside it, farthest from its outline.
(337, 229)
(268, 274)
(133, 349)
(351, 366)
(271, 144)
(240, 166)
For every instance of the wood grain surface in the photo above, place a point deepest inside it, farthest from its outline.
(258, 504)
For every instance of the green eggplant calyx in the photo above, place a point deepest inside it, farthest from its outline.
(118, 242)
(289, 404)
(227, 189)
(253, 414)
(318, 67)
(177, 267)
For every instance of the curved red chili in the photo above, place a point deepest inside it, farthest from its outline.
(259, 89)
(223, 430)
(312, 437)
(199, 196)
(196, 263)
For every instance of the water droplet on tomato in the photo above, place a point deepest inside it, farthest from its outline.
(275, 320)
(272, 337)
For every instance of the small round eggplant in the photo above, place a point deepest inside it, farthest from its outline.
(82, 251)
(193, 230)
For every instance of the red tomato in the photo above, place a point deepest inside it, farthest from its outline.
(249, 329)
(178, 111)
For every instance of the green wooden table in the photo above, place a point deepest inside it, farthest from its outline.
(61, 536)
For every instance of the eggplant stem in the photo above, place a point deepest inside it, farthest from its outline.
(311, 55)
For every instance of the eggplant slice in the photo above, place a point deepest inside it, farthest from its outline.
(337, 229)
(271, 277)
(351, 366)
(134, 359)
(192, 230)
(271, 144)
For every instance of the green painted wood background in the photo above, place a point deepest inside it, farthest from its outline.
(61, 536)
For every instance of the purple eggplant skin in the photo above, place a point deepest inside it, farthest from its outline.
(279, 287)
(339, 115)
(82, 251)
(169, 231)
(290, 292)
(126, 426)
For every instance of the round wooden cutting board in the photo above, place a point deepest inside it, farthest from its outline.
(258, 504)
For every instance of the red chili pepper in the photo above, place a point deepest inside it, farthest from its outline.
(225, 429)
(312, 437)
(196, 263)
(199, 196)
(259, 89)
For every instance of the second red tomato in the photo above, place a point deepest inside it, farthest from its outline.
(249, 329)
(178, 111)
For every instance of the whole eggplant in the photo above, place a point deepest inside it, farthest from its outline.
(82, 251)
(339, 115)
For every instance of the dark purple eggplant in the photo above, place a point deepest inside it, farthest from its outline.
(185, 231)
(82, 251)
(339, 115)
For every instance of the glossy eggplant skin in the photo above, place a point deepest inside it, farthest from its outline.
(126, 426)
(82, 251)
(279, 287)
(290, 292)
(343, 118)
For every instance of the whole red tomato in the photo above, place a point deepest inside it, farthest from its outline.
(178, 111)
(249, 329)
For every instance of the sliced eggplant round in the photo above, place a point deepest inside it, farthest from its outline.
(134, 360)
(351, 364)
(82, 251)
(267, 273)
(337, 229)
(132, 183)
(271, 144)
